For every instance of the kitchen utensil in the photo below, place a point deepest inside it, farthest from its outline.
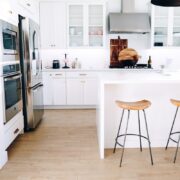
(56, 64)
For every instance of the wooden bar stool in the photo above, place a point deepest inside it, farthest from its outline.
(177, 104)
(137, 106)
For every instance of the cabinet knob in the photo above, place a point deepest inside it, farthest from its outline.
(28, 4)
(10, 12)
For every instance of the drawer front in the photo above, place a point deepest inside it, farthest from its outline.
(82, 74)
(57, 74)
(13, 132)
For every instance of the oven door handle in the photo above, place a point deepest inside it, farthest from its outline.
(12, 31)
(12, 78)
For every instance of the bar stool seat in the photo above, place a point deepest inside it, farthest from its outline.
(136, 106)
(177, 104)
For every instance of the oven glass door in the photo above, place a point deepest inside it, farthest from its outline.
(13, 98)
(9, 41)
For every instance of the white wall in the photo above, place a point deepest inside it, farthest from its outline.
(100, 58)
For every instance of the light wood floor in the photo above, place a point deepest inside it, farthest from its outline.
(64, 147)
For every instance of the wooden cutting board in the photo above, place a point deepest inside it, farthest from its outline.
(116, 45)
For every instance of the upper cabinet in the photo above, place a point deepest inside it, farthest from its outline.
(86, 25)
(53, 25)
(8, 11)
(165, 26)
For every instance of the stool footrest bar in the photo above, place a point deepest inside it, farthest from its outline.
(133, 135)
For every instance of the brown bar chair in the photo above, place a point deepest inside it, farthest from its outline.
(134, 106)
(177, 104)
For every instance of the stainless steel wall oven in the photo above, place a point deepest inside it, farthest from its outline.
(9, 38)
(12, 90)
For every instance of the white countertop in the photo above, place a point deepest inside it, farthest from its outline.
(99, 70)
(141, 77)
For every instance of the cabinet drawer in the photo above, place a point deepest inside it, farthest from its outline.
(13, 132)
(82, 74)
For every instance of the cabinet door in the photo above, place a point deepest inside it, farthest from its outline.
(86, 25)
(59, 91)
(90, 92)
(76, 25)
(96, 25)
(8, 12)
(47, 92)
(160, 26)
(176, 27)
(53, 24)
(75, 91)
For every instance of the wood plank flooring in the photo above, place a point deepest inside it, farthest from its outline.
(64, 147)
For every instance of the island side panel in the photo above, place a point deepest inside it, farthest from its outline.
(100, 119)
(159, 115)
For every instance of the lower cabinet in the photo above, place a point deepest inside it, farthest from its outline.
(70, 89)
(74, 92)
(81, 91)
(13, 128)
(90, 92)
(54, 89)
(58, 89)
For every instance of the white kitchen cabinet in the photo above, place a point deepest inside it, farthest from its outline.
(90, 92)
(54, 88)
(165, 26)
(75, 91)
(70, 88)
(13, 128)
(81, 88)
(53, 25)
(59, 89)
(8, 11)
(86, 25)
(47, 89)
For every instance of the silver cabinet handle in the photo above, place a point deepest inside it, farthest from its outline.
(83, 74)
(16, 131)
(58, 74)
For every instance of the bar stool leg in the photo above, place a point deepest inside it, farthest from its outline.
(172, 127)
(148, 137)
(176, 149)
(139, 131)
(125, 137)
(118, 131)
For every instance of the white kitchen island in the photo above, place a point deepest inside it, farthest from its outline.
(132, 85)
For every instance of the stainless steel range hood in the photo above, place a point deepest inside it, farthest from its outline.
(130, 22)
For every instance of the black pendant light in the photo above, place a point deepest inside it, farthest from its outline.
(167, 3)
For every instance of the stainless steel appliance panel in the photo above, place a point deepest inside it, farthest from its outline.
(12, 91)
(31, 71)
(9, 45)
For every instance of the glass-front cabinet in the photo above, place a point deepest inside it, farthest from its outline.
(176, 27)
(86, 25)
(95, 29)
(165, 26)
(76, 29)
